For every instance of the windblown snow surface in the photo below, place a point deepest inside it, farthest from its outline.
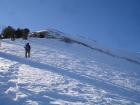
(59, 73)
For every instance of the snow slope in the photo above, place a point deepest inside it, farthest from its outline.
(59, 73)
(93, 45)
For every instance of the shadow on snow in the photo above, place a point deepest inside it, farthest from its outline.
(124, 93)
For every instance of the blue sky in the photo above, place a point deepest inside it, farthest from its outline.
(114, 23)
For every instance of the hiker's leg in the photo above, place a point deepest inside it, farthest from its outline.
(28, 53)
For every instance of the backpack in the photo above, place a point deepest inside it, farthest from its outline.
(27, 47)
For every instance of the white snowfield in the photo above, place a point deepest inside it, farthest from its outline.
(59, 73)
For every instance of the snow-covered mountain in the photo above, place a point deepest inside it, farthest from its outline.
(67, 69)
(92, 44)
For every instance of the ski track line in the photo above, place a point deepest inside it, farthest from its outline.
(134, 96)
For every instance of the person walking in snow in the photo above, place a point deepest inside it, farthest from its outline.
(27, 50)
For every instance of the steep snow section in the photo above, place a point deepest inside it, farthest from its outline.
(64, 73)
(129, 56)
